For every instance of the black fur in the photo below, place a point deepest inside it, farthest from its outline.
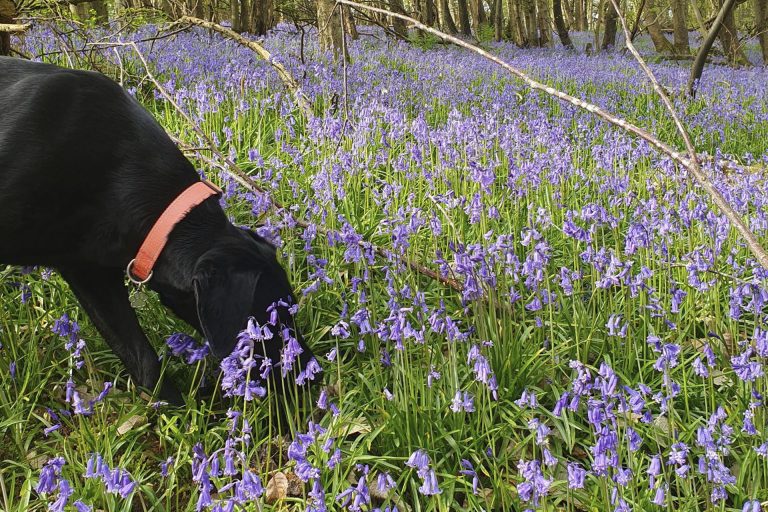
(85, 172)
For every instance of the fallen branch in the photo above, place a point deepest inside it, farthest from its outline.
(691, 163)
(290, 83)
(14, 28)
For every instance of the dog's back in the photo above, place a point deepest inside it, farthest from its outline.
(74, 146)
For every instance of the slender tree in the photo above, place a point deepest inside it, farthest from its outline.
(562, 30)
(610, 17)
(463, 10)
(446, 20)
(761, 25)
(329, 28)
(398, 25)
(651, 21)
(729, 37)
(680, 24)
(350, 27)
(544, 23)
(701, 56)
(234, 13)
(477, 12)
(516, 24)
(497, 19)
(262, 13)
(530, 22)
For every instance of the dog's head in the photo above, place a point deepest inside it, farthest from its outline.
(238, 279)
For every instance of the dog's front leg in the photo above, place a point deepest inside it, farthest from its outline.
(103, 295)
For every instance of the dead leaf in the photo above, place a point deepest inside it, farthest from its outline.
(295, 485)
(721, 379)
(36, 461)
(131, 423)
(277, 488)
(357, 426)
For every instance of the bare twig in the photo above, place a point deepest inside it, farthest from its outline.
(290, 83)
(691, 163)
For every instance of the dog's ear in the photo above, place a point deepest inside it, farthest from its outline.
(224, 300)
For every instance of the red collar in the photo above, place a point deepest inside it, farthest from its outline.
(140, 268)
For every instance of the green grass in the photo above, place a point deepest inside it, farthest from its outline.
(530, 350)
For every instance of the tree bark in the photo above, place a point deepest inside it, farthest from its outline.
(544, 23)
(475, 6)
(516, 24)
(680, 24)
(245, 19)
(426, 12)
(329, 28)
(234, 11)
(261, 16)
(498, 20)
(463, 9)
(446, 20)
(651, 20)
(701, 55)
(609, 36)
(761, 24)
(530, 22)
(580, 15)
(729, 37)
(562, 31)
(398, 25)
(350, 27)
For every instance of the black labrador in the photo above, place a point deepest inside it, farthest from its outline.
(85, 172)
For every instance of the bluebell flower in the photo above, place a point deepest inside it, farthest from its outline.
(419, 460)
(576, 475)
(430, 486)
(49, 475)
(469, 470)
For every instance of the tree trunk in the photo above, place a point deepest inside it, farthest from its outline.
(530, 22)
(544, 23)
(398, 25)
(234, 11)
(729, 37)
(567, 10)
(466, 29)
(446, 20)
(701, 55)
(261, 16)
(609, 37)
(680, 24)
(498, 20)
(426, 12)
(651, 21)
(562, 31)
(475, 7)
(516, 25)
(329, 28)
(580, 15)
(761, 24)
(350, 27)
(245, 19)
